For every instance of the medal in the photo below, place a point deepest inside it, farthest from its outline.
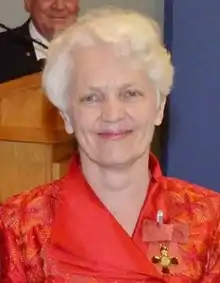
(165, 260)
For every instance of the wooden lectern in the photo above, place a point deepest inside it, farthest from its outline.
(34, 148)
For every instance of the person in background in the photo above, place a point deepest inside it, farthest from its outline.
(18, 55)
(114, 217)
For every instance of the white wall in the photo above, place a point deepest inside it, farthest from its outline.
(12, 12)
(151, 7)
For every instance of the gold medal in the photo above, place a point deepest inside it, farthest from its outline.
(165, 260)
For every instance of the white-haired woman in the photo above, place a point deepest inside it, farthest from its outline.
(114, 217)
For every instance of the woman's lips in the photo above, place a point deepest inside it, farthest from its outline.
(114, 135)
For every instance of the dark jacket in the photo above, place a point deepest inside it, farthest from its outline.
(17, 55)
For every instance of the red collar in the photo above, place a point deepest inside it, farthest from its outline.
(87, 239)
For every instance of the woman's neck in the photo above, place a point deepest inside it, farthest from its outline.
(122, 191)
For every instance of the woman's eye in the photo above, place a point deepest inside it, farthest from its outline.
(91, 98)
(132, 94)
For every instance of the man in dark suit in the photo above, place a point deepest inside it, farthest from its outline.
(18, 55)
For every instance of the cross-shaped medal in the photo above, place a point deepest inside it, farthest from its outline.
(165, 260)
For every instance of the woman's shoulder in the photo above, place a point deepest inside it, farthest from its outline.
(192, 194)
(189, 188)
(26, 206)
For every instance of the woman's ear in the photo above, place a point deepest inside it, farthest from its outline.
(67, 123)
(160, 110)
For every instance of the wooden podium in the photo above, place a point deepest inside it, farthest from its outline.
(34, 148)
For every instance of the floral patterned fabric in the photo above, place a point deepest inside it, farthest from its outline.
(62, 233)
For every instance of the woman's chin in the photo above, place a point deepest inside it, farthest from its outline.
(116, 161)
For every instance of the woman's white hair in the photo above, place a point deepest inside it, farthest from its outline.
(128, 31)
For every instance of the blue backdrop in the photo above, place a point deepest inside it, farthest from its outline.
(192, 32)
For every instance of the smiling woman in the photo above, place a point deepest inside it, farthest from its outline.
(114, 217)
(106, 102)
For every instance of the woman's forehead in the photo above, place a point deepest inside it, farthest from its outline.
(94, 62)
(105, 51)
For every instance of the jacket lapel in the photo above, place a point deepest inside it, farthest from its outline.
(88, 239)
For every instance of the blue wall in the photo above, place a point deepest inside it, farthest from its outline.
(192, 32)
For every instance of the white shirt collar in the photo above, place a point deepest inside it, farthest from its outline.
(40, 52)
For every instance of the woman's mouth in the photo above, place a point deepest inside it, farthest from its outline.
(114, 135)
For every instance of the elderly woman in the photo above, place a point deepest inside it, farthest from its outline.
(114, 217)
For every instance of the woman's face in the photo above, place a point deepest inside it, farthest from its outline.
(113, 107)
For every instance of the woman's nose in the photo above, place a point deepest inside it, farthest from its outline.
(112, 111)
